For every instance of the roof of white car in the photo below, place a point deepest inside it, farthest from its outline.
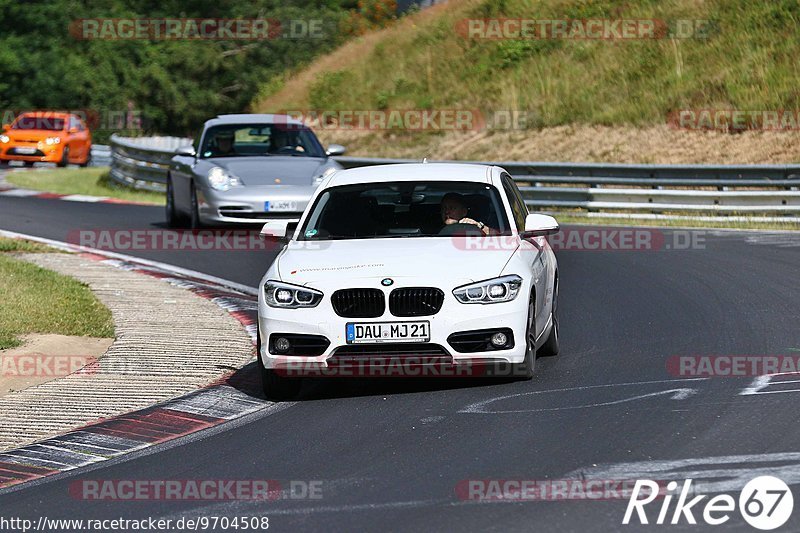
(412, 172)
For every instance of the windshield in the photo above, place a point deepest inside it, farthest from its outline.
(33, 122)
(406, 209)
(240, 140)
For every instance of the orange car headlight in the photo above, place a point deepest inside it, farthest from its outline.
(52, 140)
(4, 139)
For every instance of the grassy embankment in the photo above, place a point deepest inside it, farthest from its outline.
(36, 300)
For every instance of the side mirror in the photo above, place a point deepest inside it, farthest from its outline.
(187, 151)
(72, 130)
(278, 229)
(335, 149)
(6, 127)
(540, 225)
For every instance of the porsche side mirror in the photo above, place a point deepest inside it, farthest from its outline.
(187, 151)
(537, 225)
(335, 149)
(278, 229)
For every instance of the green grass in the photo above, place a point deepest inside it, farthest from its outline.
(747, 61)
(36, 300)
(21, 245)
(88, 181)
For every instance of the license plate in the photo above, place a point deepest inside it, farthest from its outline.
(280, 205)
(25, 150)
(364, 332)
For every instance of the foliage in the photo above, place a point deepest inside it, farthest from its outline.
(164, 86)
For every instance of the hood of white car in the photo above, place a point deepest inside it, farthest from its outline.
(451, 260)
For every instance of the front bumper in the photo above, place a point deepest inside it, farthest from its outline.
(243, 205)
(453, 317)
(44, 153)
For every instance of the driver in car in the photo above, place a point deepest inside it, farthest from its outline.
(454, 211)
(282, 142)
(224, 141)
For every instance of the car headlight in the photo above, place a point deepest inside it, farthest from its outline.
(491, 291)
(288, 296)
(222, 180)
(4, 139)
(319, 178)
(52, 140)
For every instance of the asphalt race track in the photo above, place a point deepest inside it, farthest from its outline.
(390, 455)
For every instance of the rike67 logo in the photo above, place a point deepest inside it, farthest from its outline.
(765, 503)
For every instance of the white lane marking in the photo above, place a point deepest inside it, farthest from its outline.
(762, 382)
(221, 401)
(234, 507)
(781, 240)
(677, 394)
(146, 449)
(252, 291)
(709, 474)
(84, 198)
(20, 192)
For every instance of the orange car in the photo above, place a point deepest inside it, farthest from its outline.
(46, 136)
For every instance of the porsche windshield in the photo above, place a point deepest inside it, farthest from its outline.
(241, 140)
(406, 209)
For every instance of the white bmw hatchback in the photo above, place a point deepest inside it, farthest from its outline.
(421, 265)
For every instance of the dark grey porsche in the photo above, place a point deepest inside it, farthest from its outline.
(246, 169)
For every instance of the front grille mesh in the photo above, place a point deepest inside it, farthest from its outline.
(358, 303)
(415, 301)
(390, 351)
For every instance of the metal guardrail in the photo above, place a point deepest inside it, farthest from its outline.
(653, 189)
(731, 190)
(101, 155)
(143, 162)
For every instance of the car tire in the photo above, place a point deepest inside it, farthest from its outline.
(524, 370)
(551, 345)
(276, 388)
(173, 219)
(88, 160)
(64, 158)
(194, 211)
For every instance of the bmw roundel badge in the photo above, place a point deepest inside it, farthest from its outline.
(387, 281)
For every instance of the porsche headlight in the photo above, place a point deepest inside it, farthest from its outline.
(52, 140)
(319, 178)
(222, 180)
(288, 296)
(4, 139)
(491, 291)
